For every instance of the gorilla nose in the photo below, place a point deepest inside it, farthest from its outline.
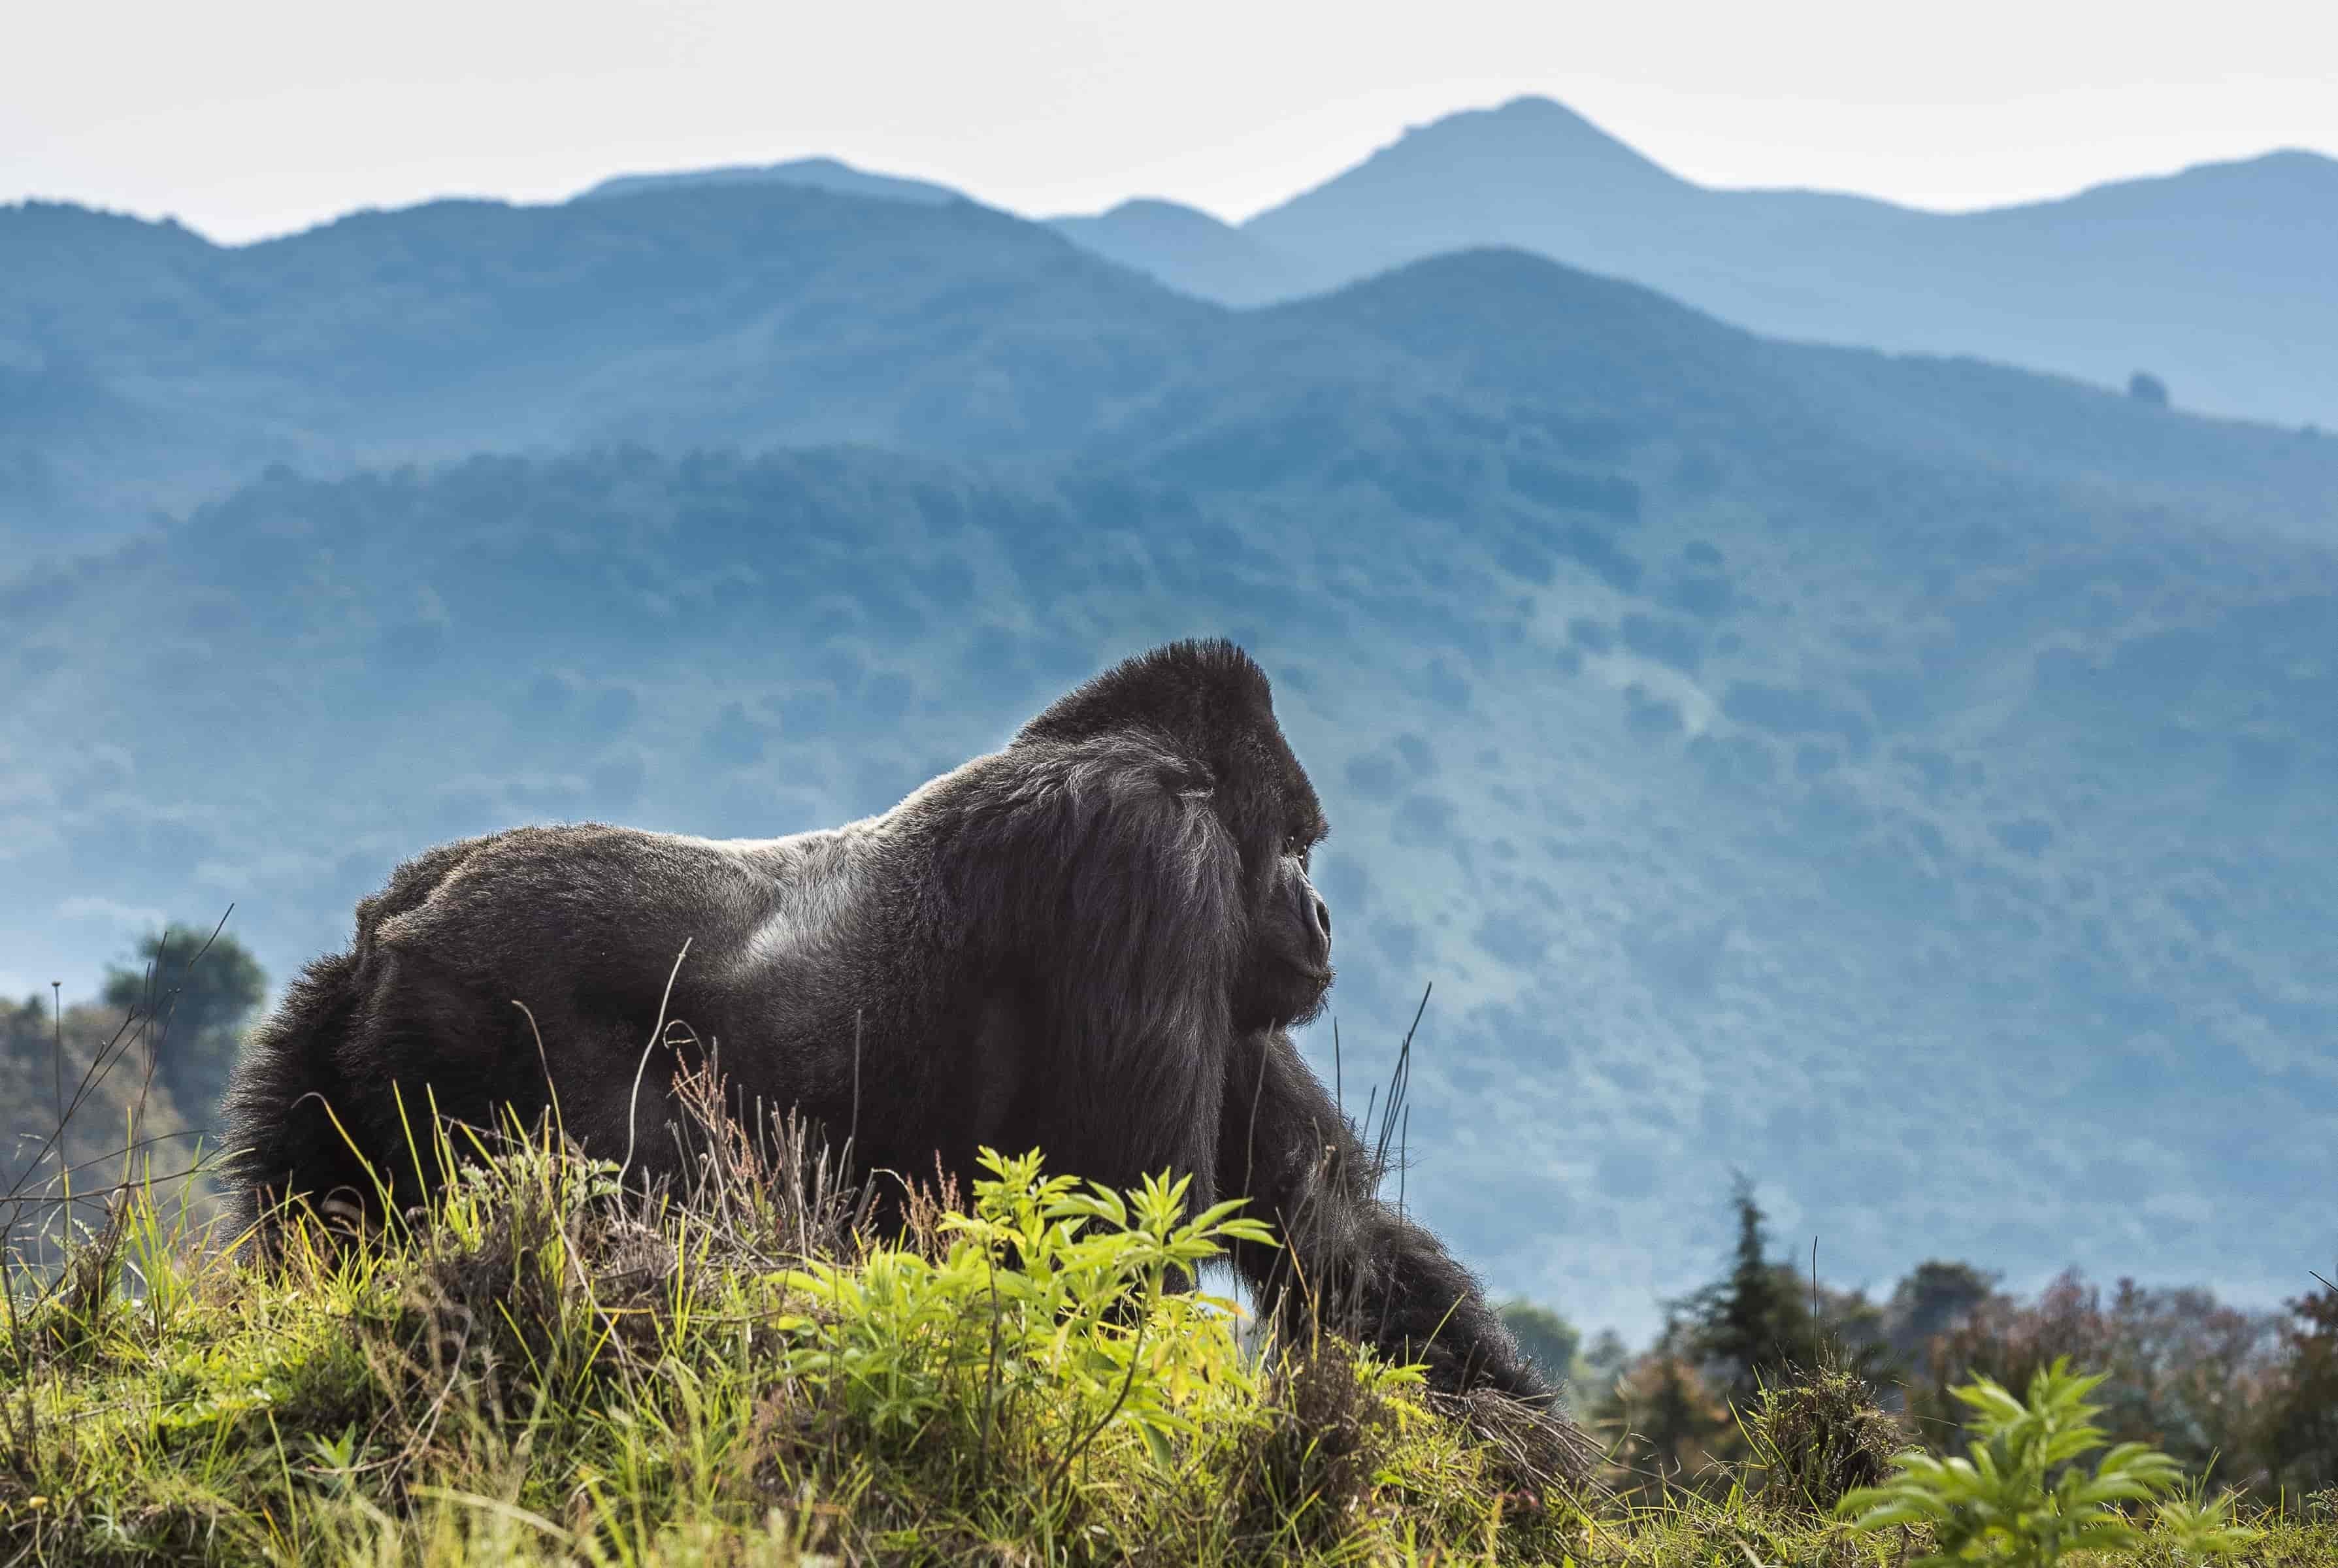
(1323, 923)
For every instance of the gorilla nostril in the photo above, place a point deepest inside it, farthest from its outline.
(1323, 919)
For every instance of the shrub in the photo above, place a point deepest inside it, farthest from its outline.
(1817, 1436)
(2021, 1499)
(1044, 1287)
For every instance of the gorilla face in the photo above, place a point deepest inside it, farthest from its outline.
(1290, 961)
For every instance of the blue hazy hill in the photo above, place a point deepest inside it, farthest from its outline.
(1904, 778)
(1188, 250)
(750, 312)
(813, 173)
(2221, 279)
(2217, 279)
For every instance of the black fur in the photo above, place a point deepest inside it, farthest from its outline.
(1090, 942)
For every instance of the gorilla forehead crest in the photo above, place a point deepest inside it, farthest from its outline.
(1212, 703)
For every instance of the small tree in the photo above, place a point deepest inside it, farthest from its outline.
(2300, 1434)
(200, 998)
(1934, 1298)
(2145, 388)
(1750, 1323)
(1543, 1334)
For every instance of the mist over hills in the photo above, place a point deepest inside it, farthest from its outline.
(143, 368)
(1188, 250)
(2219, 278)
(157, 368)
(817, 173)
(1903, 778)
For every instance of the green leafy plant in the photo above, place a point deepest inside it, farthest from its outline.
(1049, 1296)
(2021, 1498)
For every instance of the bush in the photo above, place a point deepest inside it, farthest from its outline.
(2021, 1499)
(1049, 1316)
(1818, 1435)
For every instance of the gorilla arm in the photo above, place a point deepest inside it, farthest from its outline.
(1096, 877)
(1366, 1268)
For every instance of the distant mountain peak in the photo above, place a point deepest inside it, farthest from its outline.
(1533, 109)
(2280, 163)
(1531, 130)
(1459, 180)
(823, 173)
(1192, 251)
(1156, 214)
(2291, 187)
(1160, 207)
(2284, 168)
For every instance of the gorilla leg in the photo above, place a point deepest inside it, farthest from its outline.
(281, 1144)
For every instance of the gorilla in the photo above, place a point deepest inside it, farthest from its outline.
(1091, 942)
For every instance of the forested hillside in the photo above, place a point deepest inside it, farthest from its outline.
(154, 369)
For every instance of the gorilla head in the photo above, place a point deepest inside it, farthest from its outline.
(1090, 942)
(1212, 706)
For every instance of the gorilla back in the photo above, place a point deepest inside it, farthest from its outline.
(1089, 941)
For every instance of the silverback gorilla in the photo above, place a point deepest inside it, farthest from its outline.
(1091, 943)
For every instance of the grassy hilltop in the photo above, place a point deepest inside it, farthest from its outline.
(555, 1372)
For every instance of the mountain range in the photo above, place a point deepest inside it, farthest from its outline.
(2220, 280)
(1900, 778)
(142, 368)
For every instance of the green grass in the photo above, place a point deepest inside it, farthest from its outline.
(555, 1372)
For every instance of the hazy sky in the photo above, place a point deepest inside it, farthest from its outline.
(253, 117)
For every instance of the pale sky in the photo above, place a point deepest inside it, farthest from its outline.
(245, 118)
